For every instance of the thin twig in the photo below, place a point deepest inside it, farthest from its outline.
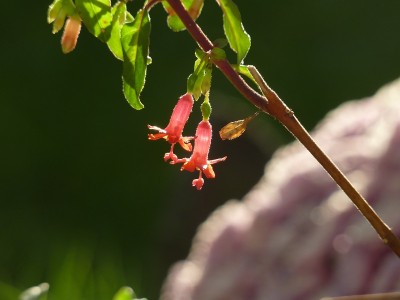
(273, 105)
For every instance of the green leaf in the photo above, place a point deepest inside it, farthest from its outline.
(195, 80)
(135, 45)
(96, 15)
(206, 82)
(237, 37)
(118, 13)
(244, 70)
(217, 54)
(58, 11)
(124, 293)
(193, 7)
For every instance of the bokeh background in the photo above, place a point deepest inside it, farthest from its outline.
(86, 202)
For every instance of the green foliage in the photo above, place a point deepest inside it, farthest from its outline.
(135, 45)
(218, 54)
(40, 292)
(206, 82)
(193, 7)
(118, 13)
(244, 70)
(237, 37)
(128, 38)
(58, 11)
(126, 293)
(199, 82)
(96, 15)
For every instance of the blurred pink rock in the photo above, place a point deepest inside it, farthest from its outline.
(296, 235)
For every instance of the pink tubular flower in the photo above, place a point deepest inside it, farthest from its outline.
(173, 132)
(199, 158)
(71, 32)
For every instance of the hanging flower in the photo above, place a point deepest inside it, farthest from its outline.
(71, 32)
(173, 132)
(199, 158)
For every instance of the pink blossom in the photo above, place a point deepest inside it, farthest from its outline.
(173, 132)
(199, 158)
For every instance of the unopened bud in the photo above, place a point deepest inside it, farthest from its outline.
(71, 32)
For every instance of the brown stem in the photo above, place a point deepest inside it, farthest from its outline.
(287, 118)
(274, 106)
(150, 3)
(206, 45)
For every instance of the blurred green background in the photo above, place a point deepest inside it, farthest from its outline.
(87, 203)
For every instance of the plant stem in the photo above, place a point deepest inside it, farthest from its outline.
(270, 103)
(206, 45)
(288, 119)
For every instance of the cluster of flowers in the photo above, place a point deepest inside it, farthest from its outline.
(202, 141)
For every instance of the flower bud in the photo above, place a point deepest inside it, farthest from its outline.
(71, 32)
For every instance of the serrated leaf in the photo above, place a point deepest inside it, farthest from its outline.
(129, 18)
(58, 11)
(135, 45)
(195, 80)
(206, 82)
(118, 13)
(96, 15)
(236, 35)
(193, 7)
(54, 10)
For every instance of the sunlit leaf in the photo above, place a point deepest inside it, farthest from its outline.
(238, 38)
(124, 293)
(206, 83)
(244, 70)
(118, 13)
(195, 80)
(96, 15)
(235, 129)
(135, 45)
(58, 11)
(193, 7)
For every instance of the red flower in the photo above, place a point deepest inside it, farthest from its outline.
(173, 132)
(199, 158)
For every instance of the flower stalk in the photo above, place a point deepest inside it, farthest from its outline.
(270, 103)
